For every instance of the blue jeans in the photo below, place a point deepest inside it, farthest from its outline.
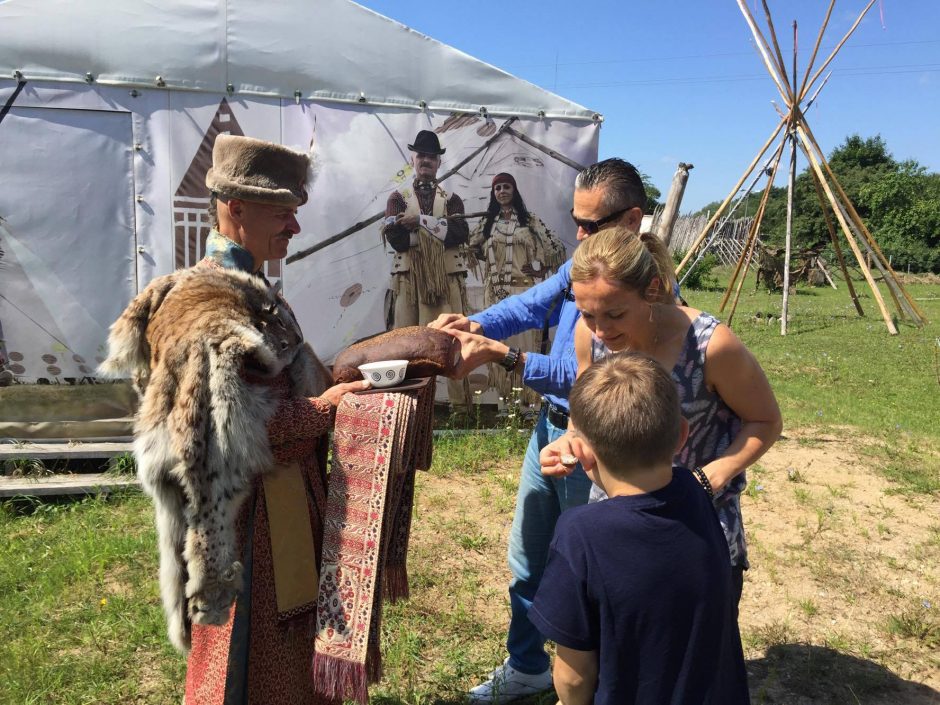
(539, 503)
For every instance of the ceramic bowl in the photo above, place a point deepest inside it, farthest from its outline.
(385, 373)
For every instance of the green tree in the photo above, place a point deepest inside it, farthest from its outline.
(652, 193)
(898, 201)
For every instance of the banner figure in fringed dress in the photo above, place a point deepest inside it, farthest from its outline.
(518, 251)
(230, 440)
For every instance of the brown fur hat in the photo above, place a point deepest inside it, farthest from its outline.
(255, 170)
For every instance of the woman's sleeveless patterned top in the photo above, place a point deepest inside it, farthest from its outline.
(712, 427)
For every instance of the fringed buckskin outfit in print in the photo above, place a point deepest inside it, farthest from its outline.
(509, 247)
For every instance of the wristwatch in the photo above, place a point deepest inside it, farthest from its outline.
(509, 362)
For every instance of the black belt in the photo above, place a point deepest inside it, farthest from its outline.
(557, 416)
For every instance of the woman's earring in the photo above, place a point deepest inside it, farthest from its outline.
(651, 312)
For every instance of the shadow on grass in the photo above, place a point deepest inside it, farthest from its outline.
(547, 698)
(801, 674)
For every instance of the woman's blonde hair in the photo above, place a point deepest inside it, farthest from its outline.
(620, 255)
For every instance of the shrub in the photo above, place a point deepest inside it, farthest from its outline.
(701, 276)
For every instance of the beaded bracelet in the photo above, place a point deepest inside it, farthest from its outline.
(704, 481)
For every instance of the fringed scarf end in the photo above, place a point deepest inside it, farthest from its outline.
(337, 679)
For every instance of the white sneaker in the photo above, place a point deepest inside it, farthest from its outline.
(506, 684)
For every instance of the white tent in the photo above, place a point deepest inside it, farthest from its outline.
(110, 110)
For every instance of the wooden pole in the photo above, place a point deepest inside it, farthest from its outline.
(791, 181)
(834, 51)
(808, 151)
(724, 205)
(901, 307)
(791, 185)
(542, 148)
(299, 255)
(835, 243)
(764, 51)
(812, 58)
(825, 271)
(667, 220)
(748, 254)
(751, 245)
(755, 227)
(918, 316)
(791, 86)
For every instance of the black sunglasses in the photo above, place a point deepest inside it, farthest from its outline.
(592, 226)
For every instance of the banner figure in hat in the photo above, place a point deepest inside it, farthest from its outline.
(429, 268)
(230, 439)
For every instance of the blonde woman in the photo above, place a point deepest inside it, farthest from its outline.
(623, 284)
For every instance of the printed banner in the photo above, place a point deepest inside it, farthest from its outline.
(116, 196)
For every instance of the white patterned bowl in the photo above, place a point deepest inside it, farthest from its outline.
(385, 373)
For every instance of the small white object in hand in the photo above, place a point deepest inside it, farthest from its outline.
(568, 459)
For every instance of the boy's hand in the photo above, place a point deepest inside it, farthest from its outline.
(559, 458)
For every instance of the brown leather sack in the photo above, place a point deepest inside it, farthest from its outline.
(428, 351)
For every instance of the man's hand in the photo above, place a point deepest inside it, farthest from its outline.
(456, 321)
(336, 392)
(559, 458)
(476, 350)
(408, 222)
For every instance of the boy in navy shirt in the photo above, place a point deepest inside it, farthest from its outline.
(637, 592)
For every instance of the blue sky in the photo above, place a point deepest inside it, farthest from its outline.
(682, 81)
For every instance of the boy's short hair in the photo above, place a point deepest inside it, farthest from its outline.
(627, 408)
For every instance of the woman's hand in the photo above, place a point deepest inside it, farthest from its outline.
(559, 458)
(336, 392)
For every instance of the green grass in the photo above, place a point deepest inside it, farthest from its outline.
(835, 372)
(834, 368)
(81, 619)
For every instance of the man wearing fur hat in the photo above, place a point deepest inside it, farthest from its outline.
(430, 267)
(230, 439)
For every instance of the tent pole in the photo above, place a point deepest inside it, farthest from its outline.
(919, 316)
(747, 254)
(542, 148)
(764, 51)
(791, 183)
(755, 228)
(835, 51)
(724, 205)
(835, 243)
(903, 309)
(789, 237)
(812, 58)
(791, 85)
(807, 150)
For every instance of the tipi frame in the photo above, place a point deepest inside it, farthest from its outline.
(797, 133)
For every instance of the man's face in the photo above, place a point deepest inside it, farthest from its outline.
(589, 205)
(426, 165)
(268, 229)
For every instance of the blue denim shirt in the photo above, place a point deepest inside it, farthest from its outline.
(550, 375)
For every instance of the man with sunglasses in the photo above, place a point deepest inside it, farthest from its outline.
(606, 194)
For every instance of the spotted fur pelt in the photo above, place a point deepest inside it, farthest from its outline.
(191, 341)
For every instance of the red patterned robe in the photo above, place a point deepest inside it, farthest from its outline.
(261, 657)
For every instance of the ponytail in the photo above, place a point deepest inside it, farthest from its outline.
(635, 261)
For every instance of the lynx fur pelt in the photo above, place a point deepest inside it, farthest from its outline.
(191, 341)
